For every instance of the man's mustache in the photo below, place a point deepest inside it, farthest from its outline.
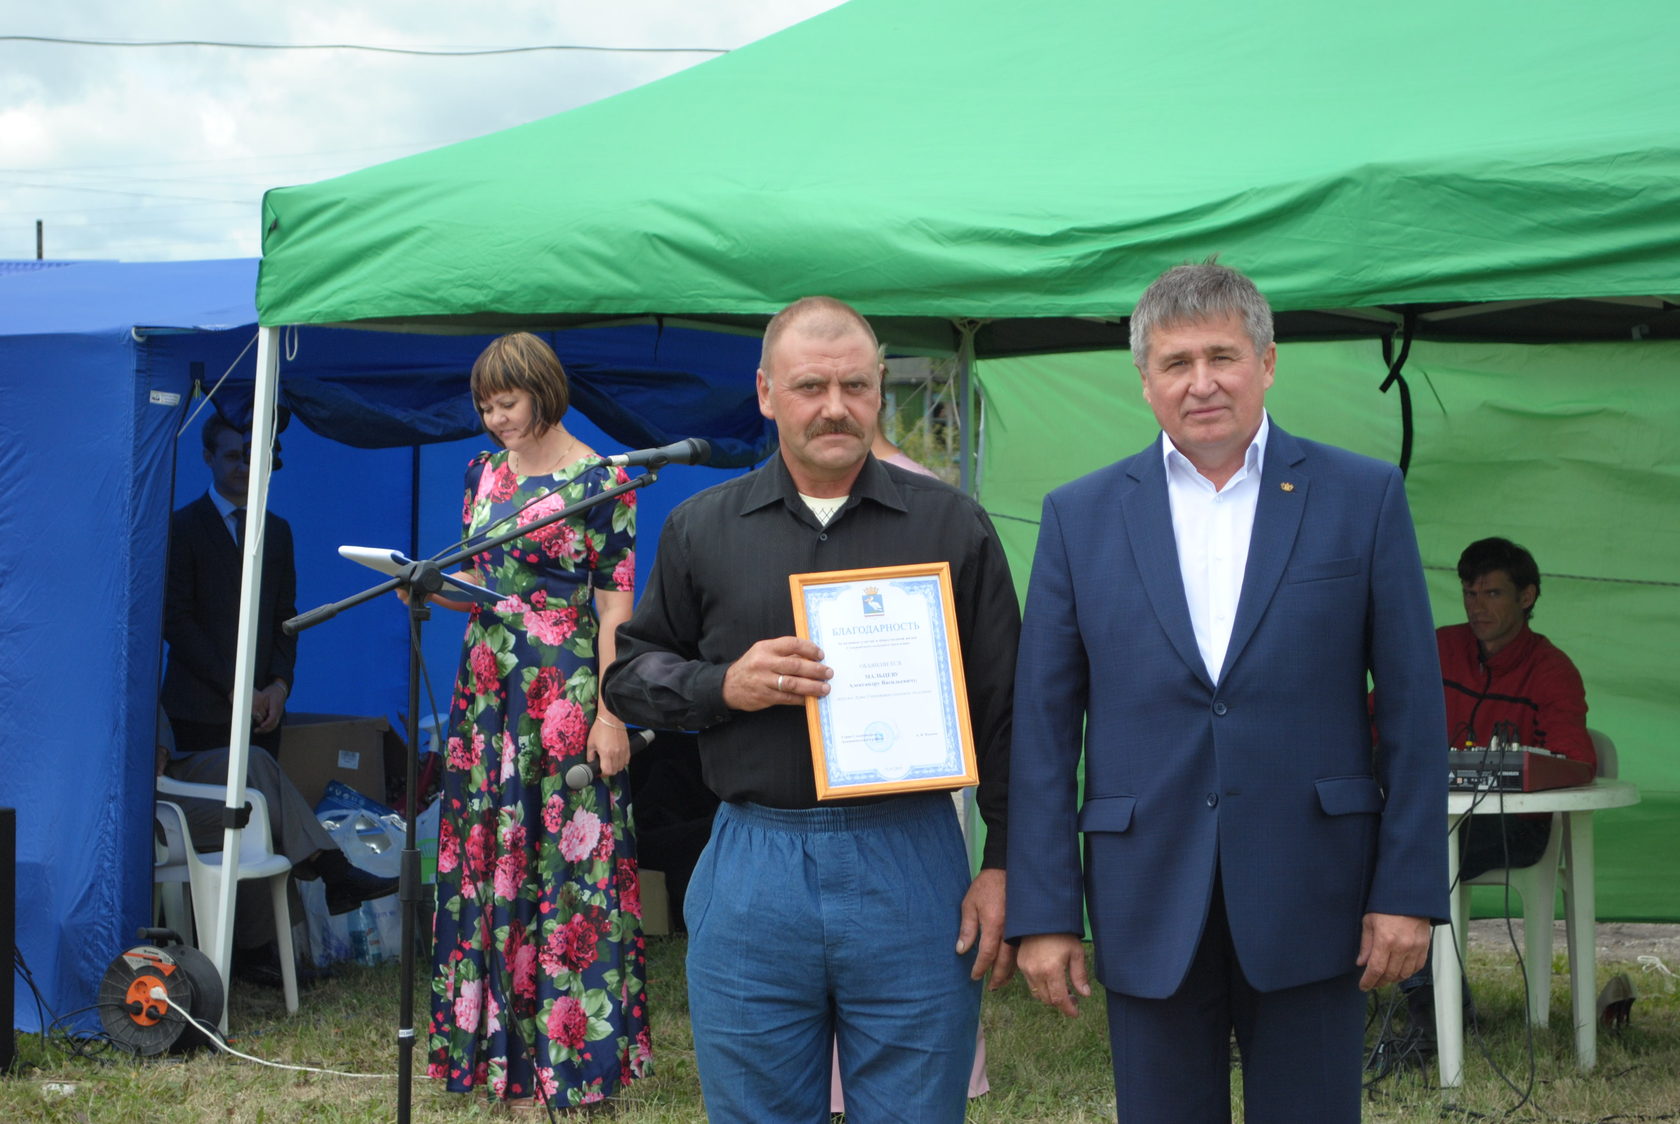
(823, 428)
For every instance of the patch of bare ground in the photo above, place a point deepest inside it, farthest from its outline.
(1619, 942)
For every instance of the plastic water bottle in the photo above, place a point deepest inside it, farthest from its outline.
(358, 922)
(373, 946)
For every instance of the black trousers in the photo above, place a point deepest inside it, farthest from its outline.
(1497, 842)
(190, 736)
(1491, 843)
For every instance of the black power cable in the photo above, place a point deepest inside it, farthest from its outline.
(1408, 327)
(461, 52)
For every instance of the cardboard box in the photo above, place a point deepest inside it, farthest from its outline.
(317, 748)
(656, 904)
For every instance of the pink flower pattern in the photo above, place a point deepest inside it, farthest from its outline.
(485, 675)
(604, 847)
(510, 757)
(510, 875)
(499, 484)
(542, 691)
(449, 847)
(525, 971)
(629, 887)
(565, 726)
(569, 948)
(467, 1002)
(534, 879)
(552, 626)
(557, 540)
(577, 838)
(567, 1023)
(624, 574)
(554, 814)
(460, 754)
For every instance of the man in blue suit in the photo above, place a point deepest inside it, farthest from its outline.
(1202, 619)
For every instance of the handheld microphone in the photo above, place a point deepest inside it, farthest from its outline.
(692, 450)
(586, 774)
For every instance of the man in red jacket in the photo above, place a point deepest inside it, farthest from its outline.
(1504, 680)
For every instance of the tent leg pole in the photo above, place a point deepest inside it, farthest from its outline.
(250, 590)
(965, 403)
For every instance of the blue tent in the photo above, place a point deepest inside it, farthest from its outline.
(98, 365)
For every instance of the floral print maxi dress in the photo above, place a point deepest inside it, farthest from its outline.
(538, 978)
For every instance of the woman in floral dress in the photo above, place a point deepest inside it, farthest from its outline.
(539, 991)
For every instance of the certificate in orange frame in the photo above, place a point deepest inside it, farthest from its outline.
(896, 715)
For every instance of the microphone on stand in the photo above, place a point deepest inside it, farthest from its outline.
(586, 774)
(691, 450)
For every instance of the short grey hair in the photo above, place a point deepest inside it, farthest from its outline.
(823, 317)
(1194, 293)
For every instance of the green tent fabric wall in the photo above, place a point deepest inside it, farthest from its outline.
(1567, 449)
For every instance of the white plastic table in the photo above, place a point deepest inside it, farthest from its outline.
(1580, 912)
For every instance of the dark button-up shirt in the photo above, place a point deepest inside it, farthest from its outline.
(720, 585)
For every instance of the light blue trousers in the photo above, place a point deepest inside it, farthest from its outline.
(832, 921)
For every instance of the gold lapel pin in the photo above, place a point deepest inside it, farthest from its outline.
(1287, 486)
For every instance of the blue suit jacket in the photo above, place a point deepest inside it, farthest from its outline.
(1271, 775)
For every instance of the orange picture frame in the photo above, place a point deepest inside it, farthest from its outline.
(896, 716)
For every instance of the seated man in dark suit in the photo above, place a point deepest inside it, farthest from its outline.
(201, 611)
(201, 605)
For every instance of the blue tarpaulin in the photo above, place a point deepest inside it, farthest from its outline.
(98, 363)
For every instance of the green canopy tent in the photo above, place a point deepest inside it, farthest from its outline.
(1002, 180)
(1035, 165)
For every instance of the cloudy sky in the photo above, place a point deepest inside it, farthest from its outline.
(155, 153)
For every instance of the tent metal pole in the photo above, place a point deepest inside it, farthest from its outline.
(239, 737)
(968, 816)
(965, 399)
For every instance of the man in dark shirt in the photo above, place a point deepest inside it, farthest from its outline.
(855, 919)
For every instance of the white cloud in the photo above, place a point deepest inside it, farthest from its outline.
(163, 153)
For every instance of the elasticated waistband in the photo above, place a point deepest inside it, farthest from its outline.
(846, 817)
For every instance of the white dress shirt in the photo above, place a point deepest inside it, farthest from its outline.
(1212, 529)
(233, 516)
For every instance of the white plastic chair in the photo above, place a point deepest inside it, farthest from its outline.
(1537, 885)
(178, 863)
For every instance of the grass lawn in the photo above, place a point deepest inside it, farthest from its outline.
(1042, 1067)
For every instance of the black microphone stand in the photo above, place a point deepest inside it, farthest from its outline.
(422, 580)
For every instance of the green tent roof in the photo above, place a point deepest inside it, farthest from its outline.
(1036, 165)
